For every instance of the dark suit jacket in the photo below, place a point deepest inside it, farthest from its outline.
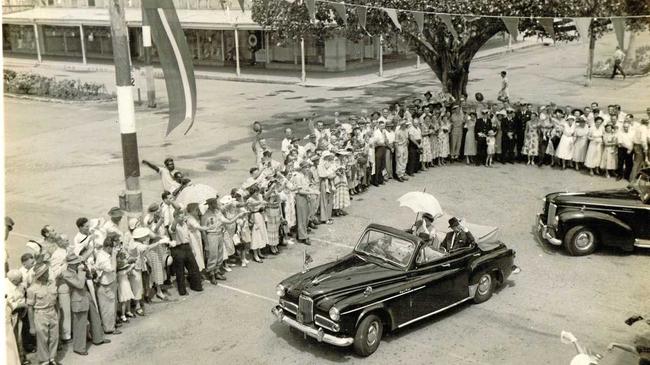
(462, 239)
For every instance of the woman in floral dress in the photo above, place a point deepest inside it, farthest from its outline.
(426, 156)
(531, 139)
(443, 138)
(610, 151)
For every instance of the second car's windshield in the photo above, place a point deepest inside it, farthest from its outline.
(387, 248)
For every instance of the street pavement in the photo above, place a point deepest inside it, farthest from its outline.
(64, 161)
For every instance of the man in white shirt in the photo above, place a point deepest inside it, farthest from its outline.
(625, 148)
(58, 265)
(640, 146)
(286, 142)
(390, 150)
(106, 264)
(166, 173)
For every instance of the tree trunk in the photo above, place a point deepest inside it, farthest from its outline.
(592, 47)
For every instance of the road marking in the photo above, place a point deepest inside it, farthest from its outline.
(248, 293)
(331, 243)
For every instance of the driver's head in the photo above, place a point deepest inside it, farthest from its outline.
(385, 241)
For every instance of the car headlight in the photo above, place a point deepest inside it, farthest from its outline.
(334, 314)
(280, 290)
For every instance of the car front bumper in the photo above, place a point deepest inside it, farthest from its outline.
(547, 232)
(316, 333)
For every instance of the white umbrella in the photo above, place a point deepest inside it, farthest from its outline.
(420, 202)
(196, 193)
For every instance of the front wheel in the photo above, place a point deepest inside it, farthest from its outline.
(368, 336)
(580, 241)
(485, 288)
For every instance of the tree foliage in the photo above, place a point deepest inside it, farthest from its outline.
(449, 57)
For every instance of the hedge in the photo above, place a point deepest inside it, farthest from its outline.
(38, 85)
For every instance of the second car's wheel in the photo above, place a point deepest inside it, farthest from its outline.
(580, 241)
(484, 288)
(368, 335)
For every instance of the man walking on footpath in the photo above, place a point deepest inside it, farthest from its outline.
(619, 56)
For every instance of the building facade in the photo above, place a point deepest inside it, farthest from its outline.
(80, 30)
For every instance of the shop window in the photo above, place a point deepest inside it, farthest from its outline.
(18, 38)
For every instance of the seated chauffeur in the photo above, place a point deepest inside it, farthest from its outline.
(459, 237)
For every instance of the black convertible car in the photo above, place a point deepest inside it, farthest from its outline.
(390, 280)
(583, 221)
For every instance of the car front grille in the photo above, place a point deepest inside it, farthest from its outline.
(305, 309)
(552, 209)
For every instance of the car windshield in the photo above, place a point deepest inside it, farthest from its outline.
(386, 248)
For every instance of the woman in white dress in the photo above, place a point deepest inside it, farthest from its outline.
(565, 147)
(595, 149)
(609, 161)
(259, 234)
(580, 147)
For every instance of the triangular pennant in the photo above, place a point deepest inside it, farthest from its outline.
(446, 20)
(547, 23)
(241, 5)
(512, 24)
(392, 14)
(311, 9)
(582, 25)
(619, 29)
(419, 19)
(362, 13)
(340, 10)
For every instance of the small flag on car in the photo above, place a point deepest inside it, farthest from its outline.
(306, 260)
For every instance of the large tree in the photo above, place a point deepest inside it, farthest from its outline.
(449, 57)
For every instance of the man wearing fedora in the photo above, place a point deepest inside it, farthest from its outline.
(113, 224)
(75, 277)
(303, 193)
(401, 150)
(43, 314)
(458, 238)
(214, 237)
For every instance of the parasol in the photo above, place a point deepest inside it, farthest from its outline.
(421, 202)
(196, 193)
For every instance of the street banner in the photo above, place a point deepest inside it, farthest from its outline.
(392, 14)
(419, 19)
(619, 28)
(340, 10)
(582, 25)
(512, 24)
(362, 14)
(446, 19)
(241, 5)
(547, 23)
(311, 8)
(175, 59)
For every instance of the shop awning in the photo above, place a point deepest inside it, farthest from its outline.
(190, 19)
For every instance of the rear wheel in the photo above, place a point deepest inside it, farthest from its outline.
(485, 288)
(580, 240)
(368, 336)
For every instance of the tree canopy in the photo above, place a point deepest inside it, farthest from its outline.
(448, 56)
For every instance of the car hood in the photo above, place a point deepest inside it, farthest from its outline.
(611, 196)
(346, 275)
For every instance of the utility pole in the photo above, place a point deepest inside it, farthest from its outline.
(131, 200)
(148, 68)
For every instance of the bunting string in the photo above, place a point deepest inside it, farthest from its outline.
(484, 15)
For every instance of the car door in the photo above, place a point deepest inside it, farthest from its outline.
(440, 283)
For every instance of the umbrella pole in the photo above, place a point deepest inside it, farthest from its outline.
(417, 215)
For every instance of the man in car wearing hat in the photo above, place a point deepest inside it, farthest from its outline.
(43, 314)
(75, 277)
(458, 238)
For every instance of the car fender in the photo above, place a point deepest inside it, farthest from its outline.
(611, 230)
(384, 311)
